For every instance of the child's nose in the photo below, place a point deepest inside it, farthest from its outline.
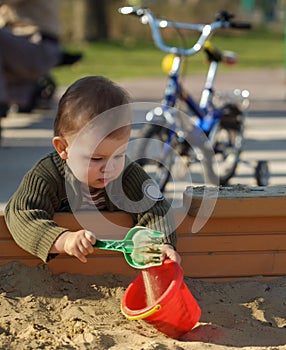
(109, 166)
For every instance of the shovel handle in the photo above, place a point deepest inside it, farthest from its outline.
(120, 246)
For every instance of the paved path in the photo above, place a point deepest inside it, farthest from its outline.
(26, 138)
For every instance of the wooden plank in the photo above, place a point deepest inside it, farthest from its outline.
(228, 243)
(116, 224)
(104, 224)
(9, 249)
(4, 232)
(234, 265)
(248, 207)
(240, 201)
(94, 266)
(184, 223)
(214, 225)
(253, 225)
(67, 264)
(231, 225)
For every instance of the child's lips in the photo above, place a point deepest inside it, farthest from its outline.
(105, 179)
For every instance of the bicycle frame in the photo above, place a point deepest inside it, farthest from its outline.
(208, 115)
(211, 120)
(174, 88)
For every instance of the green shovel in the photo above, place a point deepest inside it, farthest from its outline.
(141, 247)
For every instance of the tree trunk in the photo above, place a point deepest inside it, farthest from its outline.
(96, 22)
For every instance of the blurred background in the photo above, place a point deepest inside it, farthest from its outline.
(92, 20)
(97, 29)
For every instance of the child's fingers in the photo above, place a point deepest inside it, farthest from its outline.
(86, 247)
(173, 255)
(78, 254)
(170, 253)
(90, 236)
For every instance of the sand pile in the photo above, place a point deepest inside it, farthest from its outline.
(39, 310)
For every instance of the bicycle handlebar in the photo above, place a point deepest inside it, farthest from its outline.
(239, 25)
(223, 20)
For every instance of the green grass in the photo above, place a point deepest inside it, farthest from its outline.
(256, 50)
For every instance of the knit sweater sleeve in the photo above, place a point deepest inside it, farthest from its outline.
(157, 212)
(30, 210)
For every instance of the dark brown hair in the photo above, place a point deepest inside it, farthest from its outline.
(85, 99)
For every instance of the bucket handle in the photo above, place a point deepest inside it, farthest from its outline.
(155, 309)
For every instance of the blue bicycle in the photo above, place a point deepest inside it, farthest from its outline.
(215, 137)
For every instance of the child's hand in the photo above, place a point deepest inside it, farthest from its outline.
(78, 243)
(169, 253)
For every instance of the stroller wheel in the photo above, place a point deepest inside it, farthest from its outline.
(262, 173)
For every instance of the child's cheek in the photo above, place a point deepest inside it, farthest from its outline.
(121, 167)
(79, 167)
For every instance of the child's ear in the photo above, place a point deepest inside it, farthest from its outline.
(61, 146)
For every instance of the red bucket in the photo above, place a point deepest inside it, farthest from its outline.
(172, 309)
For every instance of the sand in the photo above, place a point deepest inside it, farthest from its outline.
(39, 310)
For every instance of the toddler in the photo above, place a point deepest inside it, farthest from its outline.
(87, 170)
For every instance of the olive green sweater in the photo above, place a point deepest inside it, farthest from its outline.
(51, 187)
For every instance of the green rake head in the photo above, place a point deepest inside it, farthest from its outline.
(141, 247)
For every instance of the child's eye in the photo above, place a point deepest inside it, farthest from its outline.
(95, 159)
(119, 156)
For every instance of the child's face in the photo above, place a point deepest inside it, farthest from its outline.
(101, 166)
(107, 162)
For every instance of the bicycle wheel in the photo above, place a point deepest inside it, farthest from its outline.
(153, 153)
(227, 143)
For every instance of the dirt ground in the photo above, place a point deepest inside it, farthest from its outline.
(39, 310)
